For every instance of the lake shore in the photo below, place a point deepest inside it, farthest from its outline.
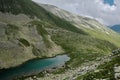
(32, 67)
(73, 73)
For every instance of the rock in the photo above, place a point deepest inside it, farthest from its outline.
(102, 79)
(117, 69)
(29, 78)
(96, 71)
(117, 72)
(98, 59)
(34, 77)
(117, 76)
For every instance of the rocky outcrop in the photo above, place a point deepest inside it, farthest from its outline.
(117, 72)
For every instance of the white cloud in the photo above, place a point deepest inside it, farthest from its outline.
(106, 14)
(105, 7)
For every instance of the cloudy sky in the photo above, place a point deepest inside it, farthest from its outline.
(106, 11)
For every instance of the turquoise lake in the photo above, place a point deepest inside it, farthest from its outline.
(33, 66)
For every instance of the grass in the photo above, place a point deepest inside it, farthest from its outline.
(94, 29)
(30, 8)
(41, 31)
(11, 29)
(36, 51)
(80, 47)
(78, 44)
(106, 71)
(25, 42)
(112, 37)
(40, 27)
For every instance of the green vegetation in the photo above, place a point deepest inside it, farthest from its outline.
(64, 24)
(41, 31)
(81, 48)
(40, 27)
(11, 29)
(24, 42)
(36, 51)
(79, 45)
(32, 9)
(112, 37)
(106, 71)
(90, 26)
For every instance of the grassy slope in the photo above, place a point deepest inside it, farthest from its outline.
(78, 44)
(106, 71)
(32, 9)
(90, 26)
(113, 37)
(81, 47)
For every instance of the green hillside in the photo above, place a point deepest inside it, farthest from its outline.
(33, 10)
(28, 31)
(104, 71)
(88, 25)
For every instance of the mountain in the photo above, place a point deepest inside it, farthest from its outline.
(89, 25)
(29, 31)
(116, 28)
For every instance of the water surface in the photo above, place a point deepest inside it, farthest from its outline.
(33, 66)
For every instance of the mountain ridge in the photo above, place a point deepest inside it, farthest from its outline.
(116, 28)
(90, 26)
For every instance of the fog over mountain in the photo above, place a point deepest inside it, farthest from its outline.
(106, 11)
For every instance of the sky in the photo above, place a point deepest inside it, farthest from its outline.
(105, 11)
(110, 2)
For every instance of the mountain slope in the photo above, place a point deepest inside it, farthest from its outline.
(22, 39)
(116, 28)
(28, 31)
(33, 10)
(90, 26)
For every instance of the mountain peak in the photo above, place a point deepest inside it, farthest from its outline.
(116, 28)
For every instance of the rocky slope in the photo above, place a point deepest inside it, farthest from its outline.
(108, 71)
(28, 31)
(103, 68)
(73, 73)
